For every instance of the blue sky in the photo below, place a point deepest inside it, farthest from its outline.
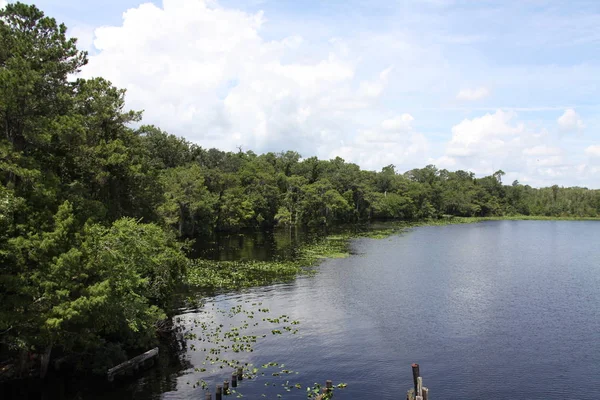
(477, 85)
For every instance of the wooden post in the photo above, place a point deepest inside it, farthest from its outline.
(416, 374)
(208, 396)
(233, 380)
(419, 386)
(425, 393)
(240, 373)
(329, 386)
(226, 387)
(219, 393)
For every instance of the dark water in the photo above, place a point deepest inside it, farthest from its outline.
(253, 245)
(278, 244)
(495, 310)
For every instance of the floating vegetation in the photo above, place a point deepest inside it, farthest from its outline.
(239, 274)
(223, 336)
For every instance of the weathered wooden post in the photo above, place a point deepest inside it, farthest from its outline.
(233, 379)
(219, 392)
(225, 387)
(208, 396)
(240, 373)
(418, 392)
(416, 374)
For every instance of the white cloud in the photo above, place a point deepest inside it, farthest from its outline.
(570, 121)
(402, 122)
(222, 78)
(375, 88)
(473, 94)
(500, 141)
(542, 150)
(205, 72)
(490, 133)
(394, 141)
(593, 151)
(85, 37)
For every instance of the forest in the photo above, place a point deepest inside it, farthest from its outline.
(96, 207)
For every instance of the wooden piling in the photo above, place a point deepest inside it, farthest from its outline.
(240, 373)
(325, 391)
(234, 379)
(225, 387)
(418, 392)
(416, 374)
(219, 392)
(207, 396)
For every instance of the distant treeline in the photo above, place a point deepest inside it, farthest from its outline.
(91, 208)
(215, 190)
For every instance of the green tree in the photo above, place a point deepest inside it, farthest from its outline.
(187, 202)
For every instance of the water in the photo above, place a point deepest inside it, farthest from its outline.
(494, 310)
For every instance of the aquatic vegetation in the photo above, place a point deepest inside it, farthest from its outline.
(239, 274)
(221, 334)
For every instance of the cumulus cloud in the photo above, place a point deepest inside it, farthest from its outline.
(489, 133)
(593, 151)
(376, 87)
(205, 72)
(570, 121)
(399, 123)
(225, 78)
(543, 150)
(500, 141)
(473, 94)
(394, 141)
(84, 35)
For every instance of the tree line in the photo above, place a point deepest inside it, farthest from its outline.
(94, 206)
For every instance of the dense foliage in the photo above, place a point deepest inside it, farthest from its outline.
(91, 202)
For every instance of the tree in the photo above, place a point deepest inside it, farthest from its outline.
(165, 151)
(498, 175)
(92, 287)
(187, 202)
(36, 59)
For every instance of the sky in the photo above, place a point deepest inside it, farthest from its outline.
(461, 84)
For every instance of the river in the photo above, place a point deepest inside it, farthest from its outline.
(493, 310)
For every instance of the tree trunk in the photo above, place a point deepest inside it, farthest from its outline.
(181, 218)
(44, 361)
